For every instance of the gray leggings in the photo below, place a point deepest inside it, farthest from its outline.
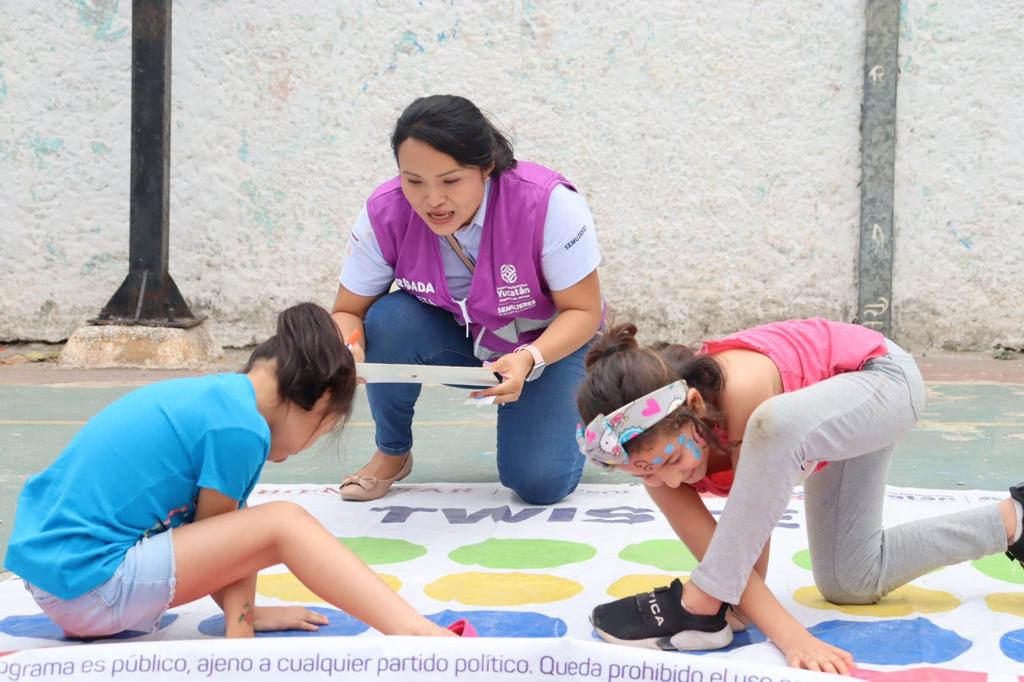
(852, 421)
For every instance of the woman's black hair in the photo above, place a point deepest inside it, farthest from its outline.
(310, 359)
(455, 126)
(620, 370)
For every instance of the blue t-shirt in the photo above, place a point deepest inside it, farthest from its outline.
(134, 470)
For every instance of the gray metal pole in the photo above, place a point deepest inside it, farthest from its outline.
(878, 154)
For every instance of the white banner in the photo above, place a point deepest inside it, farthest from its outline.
(382, 658)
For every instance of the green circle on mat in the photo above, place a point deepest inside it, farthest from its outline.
(383, 550)
(803, 559)
(522, 553)
(999, 567)
(668, 555)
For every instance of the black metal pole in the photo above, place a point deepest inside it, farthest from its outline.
(148, 295)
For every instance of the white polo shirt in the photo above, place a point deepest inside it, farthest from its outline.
(570, 250)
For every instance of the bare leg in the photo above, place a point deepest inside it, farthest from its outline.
(240, 598)
(221, 550)
(1009, 515)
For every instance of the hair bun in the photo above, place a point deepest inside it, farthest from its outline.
(621, 338)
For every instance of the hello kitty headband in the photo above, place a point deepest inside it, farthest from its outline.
(603, 439)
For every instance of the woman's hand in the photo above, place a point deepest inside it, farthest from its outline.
(358, 354)
(274, 618)
(348, 313)
(513, 368)
(804, 650)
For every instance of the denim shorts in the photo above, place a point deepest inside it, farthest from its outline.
(135, 598)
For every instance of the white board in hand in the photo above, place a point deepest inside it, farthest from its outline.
(433, 375)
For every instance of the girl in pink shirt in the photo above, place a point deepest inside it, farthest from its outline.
(809, 401)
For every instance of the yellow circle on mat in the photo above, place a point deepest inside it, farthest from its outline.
(286, 587)
(900, 602)
(628, 585)
(502, 589)
(1006, 602)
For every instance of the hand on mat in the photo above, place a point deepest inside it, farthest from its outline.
(513, 368)
(273, 618)
(808, 652)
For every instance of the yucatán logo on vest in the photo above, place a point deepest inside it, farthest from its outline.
(515, 297)
(508, 273)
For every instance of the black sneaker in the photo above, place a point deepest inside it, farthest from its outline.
(1016, 551)
(657, 620)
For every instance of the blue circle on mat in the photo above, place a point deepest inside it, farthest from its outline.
(341, 625)
(39, 626)
(1012, 644)
(739, 639)
(890, 642)
(505, 623)
(893, 642)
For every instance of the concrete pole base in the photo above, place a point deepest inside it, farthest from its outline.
(104, 346)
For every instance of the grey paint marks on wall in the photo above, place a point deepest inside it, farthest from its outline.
(103, 17)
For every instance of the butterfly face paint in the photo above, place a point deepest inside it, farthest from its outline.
(690, 445)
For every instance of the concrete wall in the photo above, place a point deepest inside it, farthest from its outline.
(959, 244)
(718, 146)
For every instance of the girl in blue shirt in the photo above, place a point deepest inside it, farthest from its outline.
(145, 509)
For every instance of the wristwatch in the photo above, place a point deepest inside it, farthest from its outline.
(538, 361)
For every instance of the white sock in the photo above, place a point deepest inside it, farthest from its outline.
(1020, 520)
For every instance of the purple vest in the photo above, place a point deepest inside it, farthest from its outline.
(509, 303)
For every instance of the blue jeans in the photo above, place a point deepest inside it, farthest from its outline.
(538, 457)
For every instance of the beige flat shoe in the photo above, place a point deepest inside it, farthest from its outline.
(357, 488)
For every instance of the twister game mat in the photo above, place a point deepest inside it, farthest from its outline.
(527, 577)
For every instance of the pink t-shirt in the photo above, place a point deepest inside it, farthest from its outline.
(806, 352)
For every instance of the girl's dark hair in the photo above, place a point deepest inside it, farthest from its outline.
(453, 125)
(310, 359)
(619, 371)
